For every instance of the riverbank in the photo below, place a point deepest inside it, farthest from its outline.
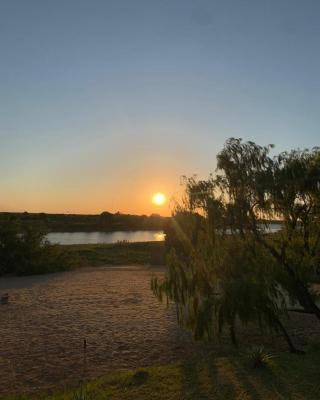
(58, 258)
(123, 253)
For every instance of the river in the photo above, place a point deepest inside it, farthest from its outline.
(66, 238)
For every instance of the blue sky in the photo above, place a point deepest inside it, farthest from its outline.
(103, 103)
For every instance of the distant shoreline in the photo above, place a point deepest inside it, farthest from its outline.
(104, 222)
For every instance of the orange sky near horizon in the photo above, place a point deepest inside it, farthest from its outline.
(131, 193)
(94, 202)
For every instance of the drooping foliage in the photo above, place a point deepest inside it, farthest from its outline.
(225, 263)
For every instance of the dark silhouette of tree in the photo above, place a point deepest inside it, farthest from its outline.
(286, 188)
(225, 264)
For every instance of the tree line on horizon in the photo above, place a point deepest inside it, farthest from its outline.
(105, 221)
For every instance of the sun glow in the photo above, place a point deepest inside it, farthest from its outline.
(159, 199)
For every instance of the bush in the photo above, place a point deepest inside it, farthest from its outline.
(25, 251)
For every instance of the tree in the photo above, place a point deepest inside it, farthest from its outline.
(225, 265)
(285, 188)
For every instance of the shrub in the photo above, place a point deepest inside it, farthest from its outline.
(25, 251)
(259, 358)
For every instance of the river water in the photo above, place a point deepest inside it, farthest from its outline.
(66, 238)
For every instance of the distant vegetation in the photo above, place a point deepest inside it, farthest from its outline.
(86, 223)
(25, 251)
(224, 266)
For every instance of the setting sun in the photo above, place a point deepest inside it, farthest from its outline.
(159, 199)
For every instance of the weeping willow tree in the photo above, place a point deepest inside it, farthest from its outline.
(224, 263)
(261, 189)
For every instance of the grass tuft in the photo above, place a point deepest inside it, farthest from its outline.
(139, 378)
(259, 358)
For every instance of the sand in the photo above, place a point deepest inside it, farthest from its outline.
(48, 317)
(43, 328)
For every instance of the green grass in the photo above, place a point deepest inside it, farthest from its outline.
(115, 254)
(62, 258)
(287, 377)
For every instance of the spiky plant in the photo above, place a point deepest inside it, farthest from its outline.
(259, 358)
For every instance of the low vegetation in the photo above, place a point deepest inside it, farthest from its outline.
(284, 377)
(25, 251)
(122, 253)
(259, 358)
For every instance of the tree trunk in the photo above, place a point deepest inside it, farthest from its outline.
(233, 336)
(283, 330)
(305, 299)
(301, 291)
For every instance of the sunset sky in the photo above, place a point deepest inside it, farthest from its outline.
(103, 103)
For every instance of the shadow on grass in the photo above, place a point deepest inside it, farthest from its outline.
(233, 378)
(199, 381)
(228, 377)
(259, 383)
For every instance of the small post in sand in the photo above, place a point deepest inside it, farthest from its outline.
(84, 358)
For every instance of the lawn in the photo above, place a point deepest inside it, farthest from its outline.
(233, 377)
